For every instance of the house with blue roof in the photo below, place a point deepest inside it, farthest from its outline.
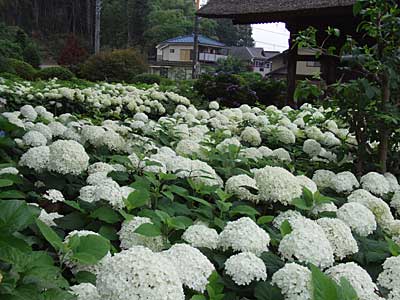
(175, 56)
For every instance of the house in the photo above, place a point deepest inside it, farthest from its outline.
(298, 15)
(175, 56)
(304, 69)
(256, 58)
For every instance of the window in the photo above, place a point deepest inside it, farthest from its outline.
(314, 64)
(261, 69)
(185, 54)
(268, 64)
(171, 50)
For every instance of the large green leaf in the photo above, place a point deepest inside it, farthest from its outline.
(88, 249)
(285, 228)
(15, 215)
(180, 222)
(138, 198)
(148, 229)
(5, 183)
(324, 288)
(106, 214)
(244, 210)
(12, 194)
(266, 291)
(50, 235)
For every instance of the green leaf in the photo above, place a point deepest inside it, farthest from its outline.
(180, 222)
(106, 214)
(109, 232)
(5, 183)
(85, 276)
(12, 194)
(266, 291)
(244, 210)
(324, 288)
(393, 247)
(50, 235)
(89, 249)
(148, 229)
(199, 200)
(347, 292)
(308, 197)
(138, 198)
(223, 206)
(15, 215)
(162, 215)
(265, 219)
(285, 228)
(75, 205)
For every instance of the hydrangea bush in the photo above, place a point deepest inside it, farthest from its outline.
(139, 195)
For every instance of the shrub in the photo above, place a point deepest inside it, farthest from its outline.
(22, 69)
(72, 54)
(9, 49)
(5, 66)
(147, 78)
(227, 88)
(114, 66)
(51, 72)
(31, 55)
(269, 91)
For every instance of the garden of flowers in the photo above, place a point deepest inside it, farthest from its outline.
(116, 192)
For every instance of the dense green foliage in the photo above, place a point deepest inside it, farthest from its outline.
(148, 78)
(22, 69)
(52, 72)
(114, 66)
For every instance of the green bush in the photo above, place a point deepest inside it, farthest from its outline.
(147, 78)
(270, 92)
(9, 49)
(51, 72)
(114, 66)
(22, 69)
(31, 55)
(5, 66)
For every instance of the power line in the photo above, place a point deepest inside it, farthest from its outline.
(272, 44)
(270, 31)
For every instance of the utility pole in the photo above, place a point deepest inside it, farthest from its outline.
(97, 27)
(196, 65)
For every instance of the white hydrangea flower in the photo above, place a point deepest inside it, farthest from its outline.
(188, 147)
(112, 140)
(141, 117)
(34, 139)
(68, 157)
(324, 207)
(48, 218)
(85, 291)
(100, 167)
(193, 267)
(311, 147)
(251, 136)
(314, 133)
(307, 243)
(250, 153)
(57, 129)
(92, 134)
(141, 274)
(281, 154)
(43, 129)
(306, 182)
(285, 135)
(213, 105)
(265, 151)
(36, 158)
(340, 237)
(277, 185)
(330, 140)
(28, 112)
(290, 215)
(200, 236)
(243, 235)
(359, 218)
(377, 206)
(111, 192)
(393, 183)
(295, 282)
(375, 183)
(245, 268)
(323, 178)
(390, 276)
(129, 238)
(344, 182)
(54, 196)
(357, 277)
(237, 185)
(224, 145)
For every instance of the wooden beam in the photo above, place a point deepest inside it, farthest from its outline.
(291, 70)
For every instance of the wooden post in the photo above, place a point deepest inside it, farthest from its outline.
(291, 70)
(196, 65)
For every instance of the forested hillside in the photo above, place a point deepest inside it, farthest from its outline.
(124, 23)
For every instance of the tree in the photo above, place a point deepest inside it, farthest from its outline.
(97, 26)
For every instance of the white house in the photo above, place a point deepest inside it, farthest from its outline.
(175, 56)
(256, 59)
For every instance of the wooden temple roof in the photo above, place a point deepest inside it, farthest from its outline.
(266, 11)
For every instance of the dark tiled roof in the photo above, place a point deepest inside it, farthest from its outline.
(189, 39)
(248, 53)
(241, 11)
